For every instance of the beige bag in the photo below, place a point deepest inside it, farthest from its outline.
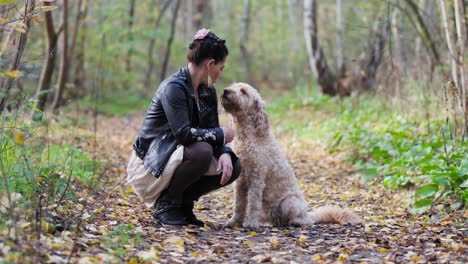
(148, 187)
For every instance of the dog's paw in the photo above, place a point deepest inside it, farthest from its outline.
(252, 225)
(233, 223)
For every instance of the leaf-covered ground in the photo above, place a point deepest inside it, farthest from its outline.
(115, 227)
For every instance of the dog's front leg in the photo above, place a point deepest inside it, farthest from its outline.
(240, 203)
(254, 199)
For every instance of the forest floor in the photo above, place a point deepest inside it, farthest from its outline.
(115, 227)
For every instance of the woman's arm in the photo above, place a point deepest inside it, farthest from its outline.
(175, 103)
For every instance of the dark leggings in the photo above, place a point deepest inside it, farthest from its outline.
(189, 182)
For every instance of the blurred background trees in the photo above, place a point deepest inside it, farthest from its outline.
(397, 48)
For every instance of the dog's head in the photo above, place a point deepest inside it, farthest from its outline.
(242, 100)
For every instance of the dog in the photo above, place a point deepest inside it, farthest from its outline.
(267, 190)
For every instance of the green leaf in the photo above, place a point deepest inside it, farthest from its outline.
(421, 206)
(442, 181)
(369, 173)
(7, 2)
(464, 184)
(426, 190)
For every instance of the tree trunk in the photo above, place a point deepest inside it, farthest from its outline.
(461, 38)
(341, 69)
(131, 17)
(423, 30)
(79, 72)
(29, 8)
(200, 7)
(317, 61)
(150, 69)
(244, 38)
(418, 42)
(63, 70)
(370, 59)
(49, 63)
(448, 39)
(397, 58)
(78, 18)
(169, 42)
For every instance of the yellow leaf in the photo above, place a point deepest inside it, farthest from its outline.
(39, 179)
(274, 243)
(100, 209)
(249, 243)
(253, 233)
(48, 8)
(47, 227)
(37, 18)
(175, 240)
(18, 138)
(302, 239)
(383, 249)
(416, 258)
(57, 246)
(195, 254)
(12, 74)
(2, 20)
(286, 232)
(317, 257)
(343, 258)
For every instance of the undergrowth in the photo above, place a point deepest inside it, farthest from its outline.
(387, 145)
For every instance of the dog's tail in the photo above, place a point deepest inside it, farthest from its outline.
(334, 215)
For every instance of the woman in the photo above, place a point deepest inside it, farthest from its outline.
(184, 111)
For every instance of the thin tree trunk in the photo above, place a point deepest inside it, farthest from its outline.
(370, 59)
(169, 42)
(150, 69)
(448, 39)
(341, 69)
(418, 42)
(424, 31)
(200, 7)
(78, 18)
(244, 38)
(131, 14)
(461, 38)
(29, 7)
(79, 72)
(49, 63)
(398, 58)
(317, 61)
(63, 70)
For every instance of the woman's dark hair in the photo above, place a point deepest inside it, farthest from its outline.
(209, 47)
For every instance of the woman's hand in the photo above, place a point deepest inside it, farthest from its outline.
(228, 134)
(225, 164)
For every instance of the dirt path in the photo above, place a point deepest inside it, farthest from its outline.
(120, 228)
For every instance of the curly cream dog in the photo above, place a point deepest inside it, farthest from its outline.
(267, 189)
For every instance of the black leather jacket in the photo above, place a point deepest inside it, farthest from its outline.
(173, 118)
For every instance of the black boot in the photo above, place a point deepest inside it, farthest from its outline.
(187, 209)
(168, 212)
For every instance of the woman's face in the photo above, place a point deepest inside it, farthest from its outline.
(215, 69)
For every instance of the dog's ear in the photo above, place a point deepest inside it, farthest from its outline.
(260, 118)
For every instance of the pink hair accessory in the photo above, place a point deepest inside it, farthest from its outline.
(201, 34)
